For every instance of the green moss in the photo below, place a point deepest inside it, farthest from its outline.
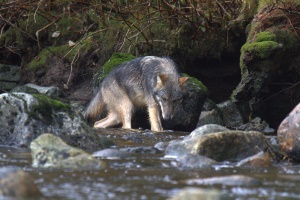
(261, 50)
(265, 36)
(39, 61)
(192, 81)
(115, 60)
(61, 51)
(46, 107)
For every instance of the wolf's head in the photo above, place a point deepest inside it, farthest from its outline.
(168, 94)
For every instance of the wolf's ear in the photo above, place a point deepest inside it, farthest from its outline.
(161, 80)
(182, 80)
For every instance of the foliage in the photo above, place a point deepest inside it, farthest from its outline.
(137, 27)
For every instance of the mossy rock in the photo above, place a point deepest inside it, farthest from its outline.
(261, 50)
(46, 107)
(265, 36)
(49, 150)
(194, 82)
(63, 51)
(115, 60)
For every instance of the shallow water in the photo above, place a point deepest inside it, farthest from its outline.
(151, 176)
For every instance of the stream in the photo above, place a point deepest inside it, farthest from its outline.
(151, 175)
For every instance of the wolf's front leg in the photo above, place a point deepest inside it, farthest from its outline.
(154, 116)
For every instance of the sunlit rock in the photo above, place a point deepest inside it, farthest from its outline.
(49, 150)
(289, 134)
(191, 193)
(233, 180)
(219, 145)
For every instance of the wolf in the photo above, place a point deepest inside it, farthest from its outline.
(146, 82)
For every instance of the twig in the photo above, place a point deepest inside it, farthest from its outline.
(38, 31)
(37, 10)
(71, 70)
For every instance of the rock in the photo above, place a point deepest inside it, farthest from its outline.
(30, 88)
(23, 117)
(183, 147)
(192, 193)
(232, 180)
(17, 183)
(257, 124)
(231, 115)
(270, 54)
(219, 146)
(161, 146)
(288, 134)
(142, 150)
(195, 161)
(210, 117)
(111, 154)
(209, 105)
(187, 113)
(9, 76)
(50, 151)
(207, 129)
(210, 114)
(261, 159)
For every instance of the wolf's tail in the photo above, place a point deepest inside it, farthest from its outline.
(95, 107)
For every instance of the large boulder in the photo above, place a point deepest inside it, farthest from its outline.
(269, 62)
(24, 117)
(50, 151)
(288, 134)
(188, 112)
(219, 144)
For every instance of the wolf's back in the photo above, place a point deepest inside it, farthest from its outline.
(95, 107)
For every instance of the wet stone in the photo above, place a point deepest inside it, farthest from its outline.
(111, 154)
(195, 161)
(233, 180)
(191, 193)
(141, 150)
(289, 133)
(15, 182)
(50, 151)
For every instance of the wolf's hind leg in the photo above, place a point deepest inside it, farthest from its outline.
(154, 117)
(126, 114)
(111, 120)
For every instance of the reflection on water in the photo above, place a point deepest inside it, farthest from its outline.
(151, 176)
